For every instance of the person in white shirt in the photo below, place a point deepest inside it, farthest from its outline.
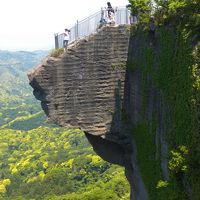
(111, 18)
(66, 38)
(103, 17)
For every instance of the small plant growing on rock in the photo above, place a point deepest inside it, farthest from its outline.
(177, 163)
(162, 184)
(57, 52)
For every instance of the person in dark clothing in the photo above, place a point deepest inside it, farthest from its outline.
(110, 14)
(152, 29)
(103, 16)
(152, 26)
(110, 8)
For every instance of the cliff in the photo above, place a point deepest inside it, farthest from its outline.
(130, 92)
(78, 88)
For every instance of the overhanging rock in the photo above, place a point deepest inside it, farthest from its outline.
(83, 88)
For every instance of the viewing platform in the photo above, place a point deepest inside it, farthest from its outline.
(91, 24)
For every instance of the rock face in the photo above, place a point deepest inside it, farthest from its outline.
(125, 92)
(84, 88)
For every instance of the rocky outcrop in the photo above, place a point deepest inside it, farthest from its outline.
(134, 99)
(84, 88)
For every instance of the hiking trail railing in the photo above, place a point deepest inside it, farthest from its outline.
(90, 25)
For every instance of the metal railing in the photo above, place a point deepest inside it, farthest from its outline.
(90, 25)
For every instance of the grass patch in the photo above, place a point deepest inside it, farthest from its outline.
(57, 52)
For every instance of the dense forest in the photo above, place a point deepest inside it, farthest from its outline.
(39, 160)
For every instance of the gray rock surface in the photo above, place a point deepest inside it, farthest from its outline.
(84, 88)
(78, 89)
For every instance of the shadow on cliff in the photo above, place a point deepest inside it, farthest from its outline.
(112, 147)
(40, 95)
(118, 146)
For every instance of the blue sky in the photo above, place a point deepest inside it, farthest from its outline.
(31, 24)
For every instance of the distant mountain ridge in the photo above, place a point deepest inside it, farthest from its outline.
(15, 92)
(23, 60)
(13, 68)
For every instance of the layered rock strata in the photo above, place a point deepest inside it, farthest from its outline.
(79, 88)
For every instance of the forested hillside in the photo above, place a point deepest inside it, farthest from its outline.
(16, 102)
(39, 160)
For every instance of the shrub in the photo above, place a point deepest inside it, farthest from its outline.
(57, 52)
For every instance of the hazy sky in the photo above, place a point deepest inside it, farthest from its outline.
(31, 24)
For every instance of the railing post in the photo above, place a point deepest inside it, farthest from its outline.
(90, 24)
(77, 29)
(127, 17)
(56, 40)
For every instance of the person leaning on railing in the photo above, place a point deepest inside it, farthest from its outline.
(107, 15)
(132, 18)
(66, 38)
(111, 18)
(103, 17)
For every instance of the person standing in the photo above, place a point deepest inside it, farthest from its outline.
(66, 38)
(132, 17)
(103, 17)
(110, 14)
(152, 30)
(110, 8)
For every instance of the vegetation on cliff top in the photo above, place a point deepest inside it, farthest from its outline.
(175, 48)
